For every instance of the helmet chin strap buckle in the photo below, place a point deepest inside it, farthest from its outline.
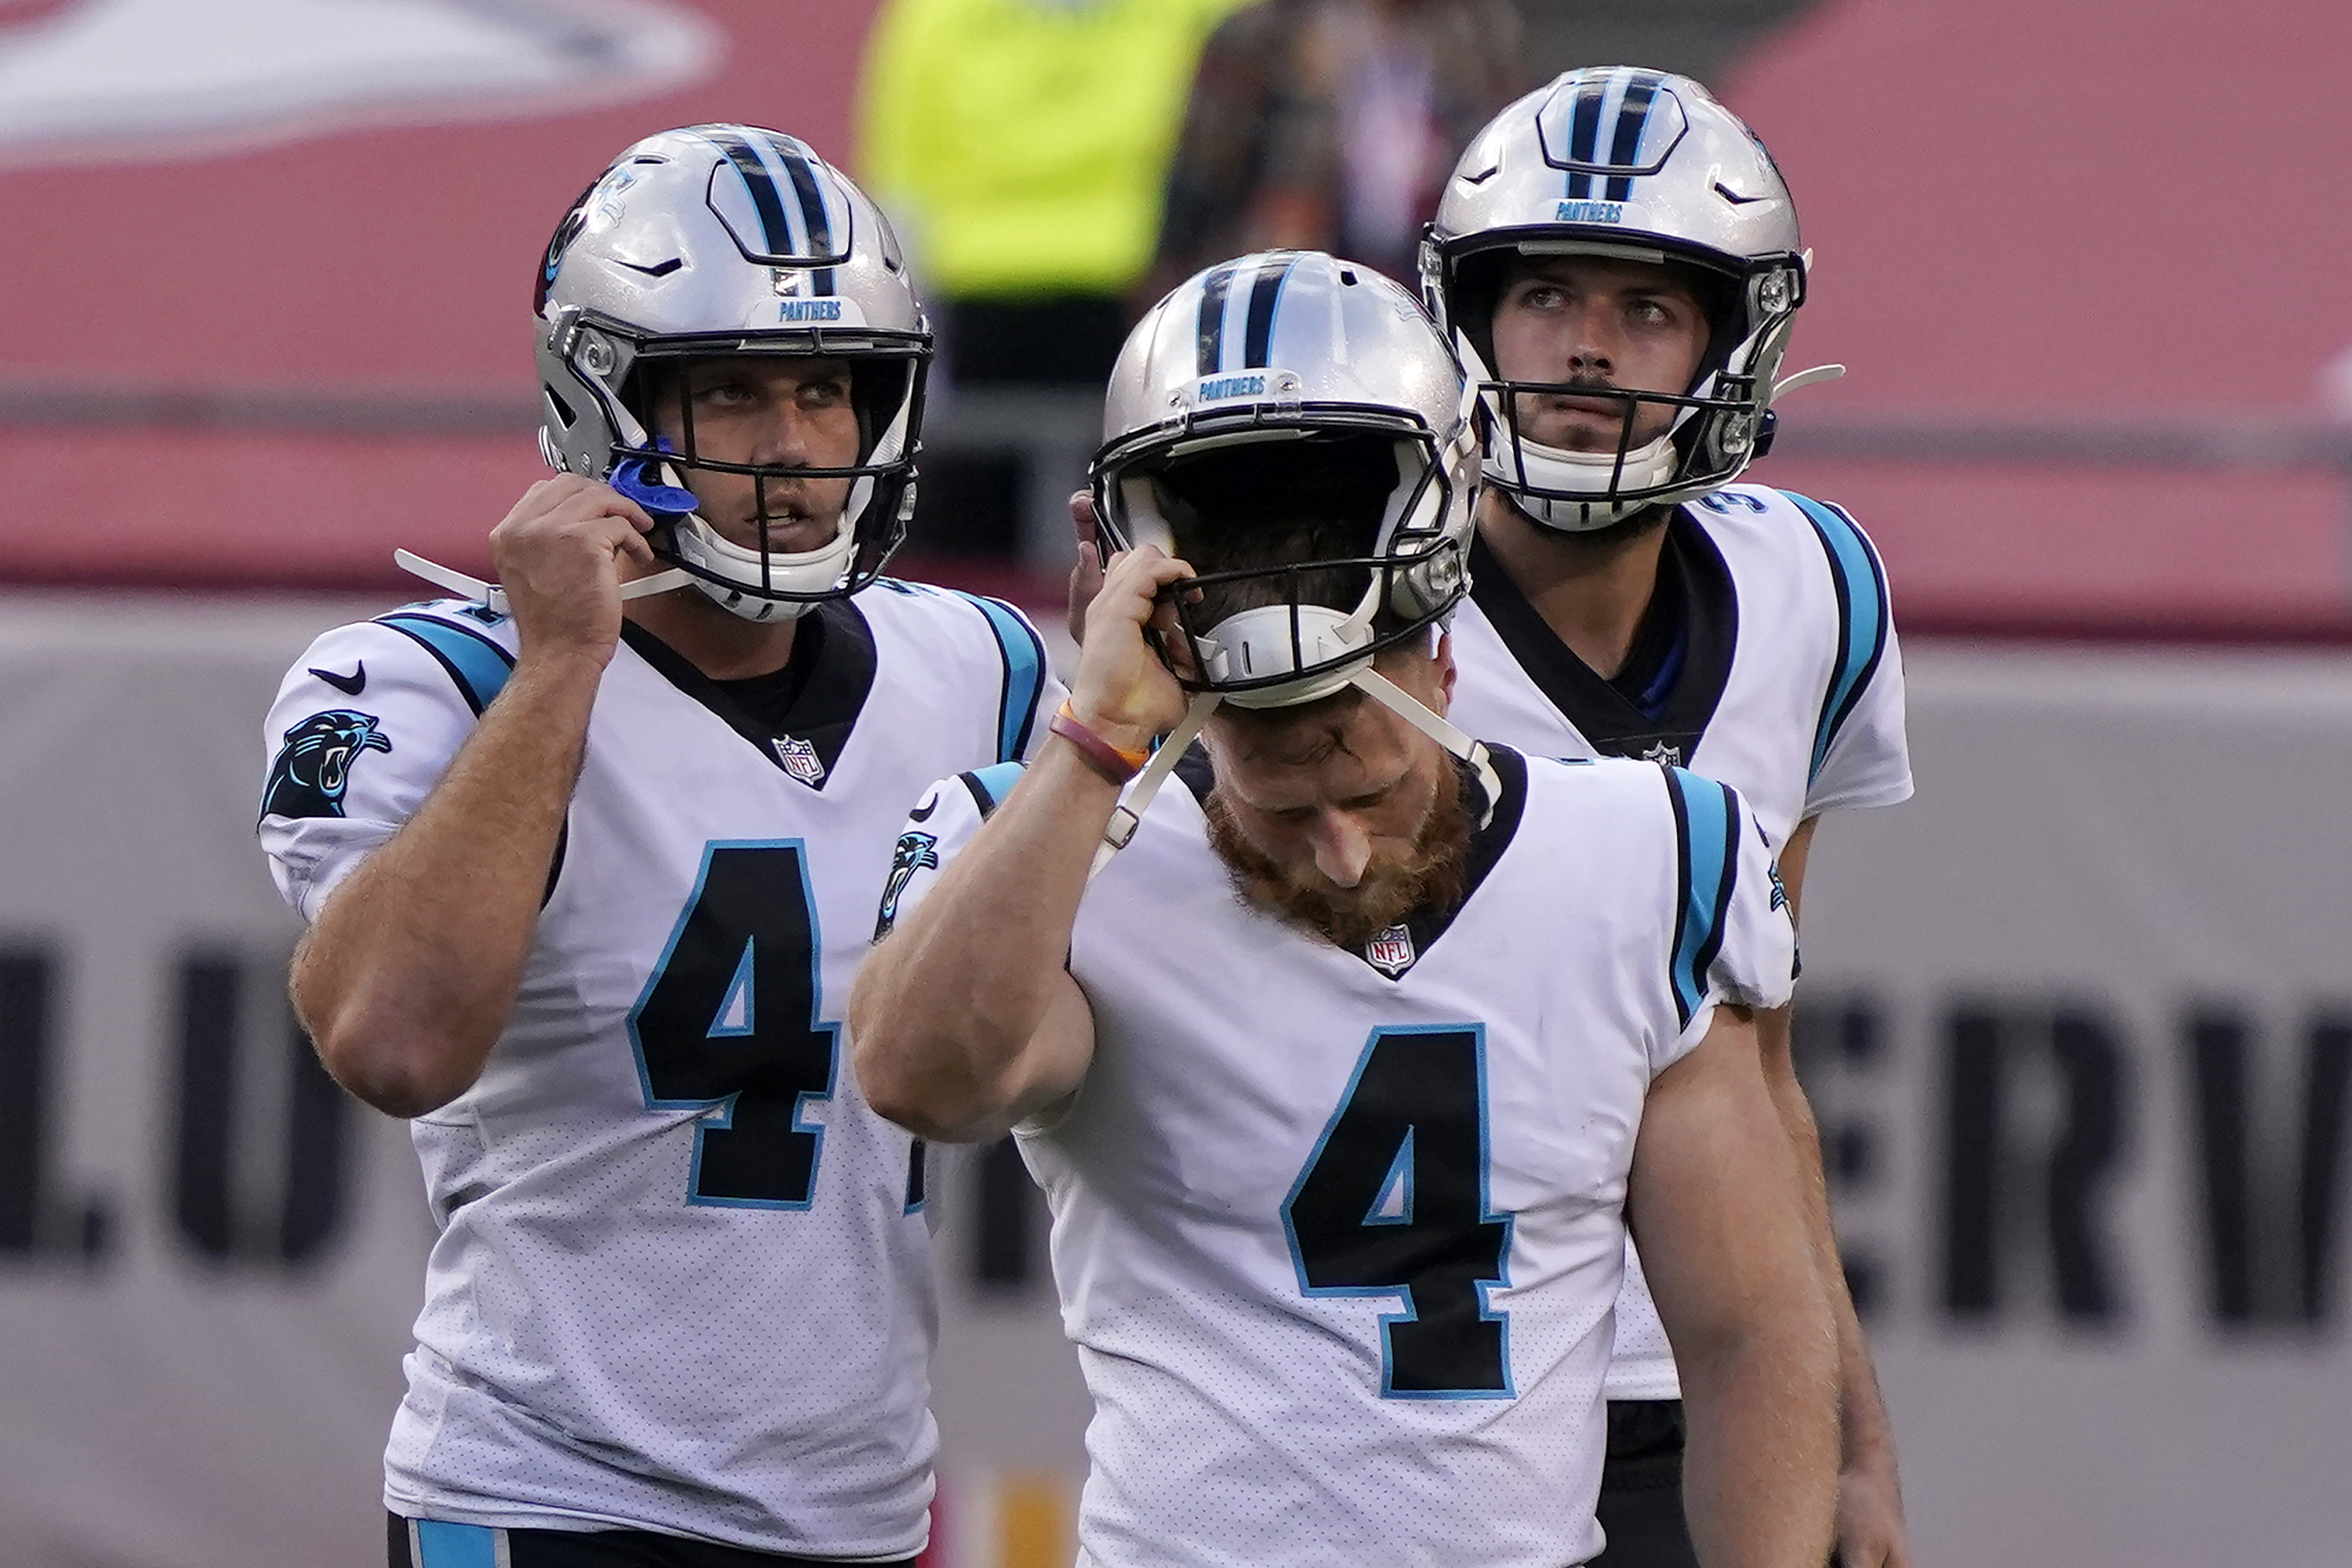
(495, 597)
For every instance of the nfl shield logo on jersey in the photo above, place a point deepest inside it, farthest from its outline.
(800, 760)
(1665, 754)
(1390, 953)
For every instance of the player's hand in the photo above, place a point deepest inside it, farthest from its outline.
(1086, 576)
(1122, 690)
(561, 555)
(1870, 1520)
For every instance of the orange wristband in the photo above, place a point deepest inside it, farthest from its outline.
(1115, 764)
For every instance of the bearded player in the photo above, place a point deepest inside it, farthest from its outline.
(1345, 1076)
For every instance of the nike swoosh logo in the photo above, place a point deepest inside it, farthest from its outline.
(923, 812)
(1734, 197)
(349, 685)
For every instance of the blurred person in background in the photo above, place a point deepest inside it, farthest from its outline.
(1617, 259)
(1022, 144)
(589, 861)
(1329, 125)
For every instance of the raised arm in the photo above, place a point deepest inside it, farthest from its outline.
(1717, 1204)
(966, 1019)
(407, 977)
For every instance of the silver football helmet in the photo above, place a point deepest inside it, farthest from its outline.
(1293, 425)
(1285, 389)
(1640, 165)
(730, 241)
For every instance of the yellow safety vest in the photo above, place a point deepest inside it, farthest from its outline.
(1022, 146)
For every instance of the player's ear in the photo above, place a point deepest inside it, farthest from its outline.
(1447, 670)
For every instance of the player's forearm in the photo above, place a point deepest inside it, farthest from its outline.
(1869, 1439)
(407, 978)
(962, 1019)
(1760, 1475)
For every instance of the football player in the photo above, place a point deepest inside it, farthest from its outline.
(590, 868)
(1347, 1075)
(1617, 260)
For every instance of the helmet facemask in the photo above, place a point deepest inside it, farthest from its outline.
(1711, 430)
(756, 579)
(1333, 544)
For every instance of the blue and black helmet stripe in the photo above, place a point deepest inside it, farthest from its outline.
(803, 227)
(1214, 289)
(1024, 676)
(800, 167)
(765, 198)
(1706, 842)
(1257, 319)
(1584, 134)
(1265, 298)
(1605, 130)
(1633, 119)
(478, 666)
(1863, 619)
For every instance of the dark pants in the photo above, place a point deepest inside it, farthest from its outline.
(1642, 1488)
(470, 1546)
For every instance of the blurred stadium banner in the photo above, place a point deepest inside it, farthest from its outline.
(2075, 1020)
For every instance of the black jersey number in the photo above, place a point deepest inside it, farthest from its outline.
(1393, 1203)
(727, 1025)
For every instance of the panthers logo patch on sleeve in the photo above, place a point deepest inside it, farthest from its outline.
(314, 767)
(916, 852)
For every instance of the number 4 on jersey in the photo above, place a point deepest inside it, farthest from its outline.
(1393, 1203)
(728, 1024)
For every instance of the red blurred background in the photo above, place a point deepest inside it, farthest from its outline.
(2082, 262)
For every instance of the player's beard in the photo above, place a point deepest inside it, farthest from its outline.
(1431, 877)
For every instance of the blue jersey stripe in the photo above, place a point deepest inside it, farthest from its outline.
(1024, 676)
(1862, 617)
(989, 787)
(1706, 831)
(477, 665)
(440, 1544)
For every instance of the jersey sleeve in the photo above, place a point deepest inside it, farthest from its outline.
(1860, 756)
(364, 727)
(1029, 691)
(951, 812)
(1733, 941)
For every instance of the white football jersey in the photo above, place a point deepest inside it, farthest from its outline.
(1337, 1233)
(1790, 691)
(682, 1281)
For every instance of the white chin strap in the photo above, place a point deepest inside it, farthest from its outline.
(495, 597)
(1258, 643)
(1567, 475)
(1128, 813)
(742, 589)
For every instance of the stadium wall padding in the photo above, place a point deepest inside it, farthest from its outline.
(2075, 1018)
